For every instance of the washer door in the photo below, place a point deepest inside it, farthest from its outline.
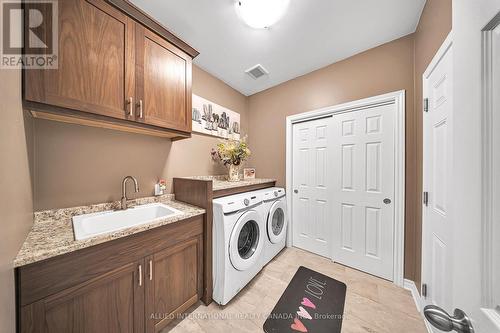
(245, 244)
(276, 222)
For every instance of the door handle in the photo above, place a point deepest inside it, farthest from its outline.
(151, 270)
(139, 105)
(443, 321)
(295, 191)
(130, 103)
(140, 275)
(387, 201)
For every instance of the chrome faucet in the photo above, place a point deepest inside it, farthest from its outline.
(124, 190)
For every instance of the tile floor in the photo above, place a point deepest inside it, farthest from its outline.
(372, 304)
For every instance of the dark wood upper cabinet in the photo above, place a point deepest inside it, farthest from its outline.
(163, 82)
(114, 72)
(96, 61)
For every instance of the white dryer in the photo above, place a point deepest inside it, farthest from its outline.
(276, 221)
(238, 242)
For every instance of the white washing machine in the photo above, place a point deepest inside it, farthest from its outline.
(275, 217)
(238, 243)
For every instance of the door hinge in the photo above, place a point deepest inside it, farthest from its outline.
(426, 105)
(426, 199)
(424, 290)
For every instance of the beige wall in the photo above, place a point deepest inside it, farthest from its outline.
(380, 70)
(435, 24)
(16, 202)
(384, 69)
(77, 165)
(393, 66)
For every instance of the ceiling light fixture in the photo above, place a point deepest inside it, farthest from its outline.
(261, 14)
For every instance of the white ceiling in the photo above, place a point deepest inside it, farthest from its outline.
(311, 35)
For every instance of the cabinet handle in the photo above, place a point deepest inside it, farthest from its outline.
(151, 270)
(139, 105)
(130, 103)
(140, 275)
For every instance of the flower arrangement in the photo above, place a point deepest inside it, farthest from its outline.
(231, 153)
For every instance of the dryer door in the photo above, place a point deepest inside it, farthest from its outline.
(245, 244)
(276, 222)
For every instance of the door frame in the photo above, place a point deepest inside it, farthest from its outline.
(398, 98)
(490, 121)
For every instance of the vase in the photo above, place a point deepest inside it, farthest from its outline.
(234, 173)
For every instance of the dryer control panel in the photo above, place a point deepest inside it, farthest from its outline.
(237, 202)
(273, 193)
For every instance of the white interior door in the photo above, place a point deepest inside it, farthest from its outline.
(312, 169)
(437, 181)
(476, 162)
(363, 189)
(469, 282)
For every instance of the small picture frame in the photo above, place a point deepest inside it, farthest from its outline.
(249, 173)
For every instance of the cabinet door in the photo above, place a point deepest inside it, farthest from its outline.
(173, 282)
(95, 62)
(113, 302)
(163, 82)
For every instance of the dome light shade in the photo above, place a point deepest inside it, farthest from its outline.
(261, 14)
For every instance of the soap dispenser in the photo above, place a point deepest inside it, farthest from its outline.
(160, 187)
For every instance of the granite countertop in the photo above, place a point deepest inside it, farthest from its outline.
(52, 231)
(221, 183)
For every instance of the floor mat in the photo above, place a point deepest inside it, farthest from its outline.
(312, 302)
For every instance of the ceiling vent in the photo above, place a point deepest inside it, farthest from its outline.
(257, 71)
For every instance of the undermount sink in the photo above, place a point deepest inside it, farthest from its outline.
(94, 224)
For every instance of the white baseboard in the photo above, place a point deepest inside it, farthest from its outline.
(410, 285)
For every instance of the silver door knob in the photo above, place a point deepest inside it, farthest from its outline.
(295, 191)
(443, 321)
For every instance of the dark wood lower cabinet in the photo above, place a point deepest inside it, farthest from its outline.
(109, 303)
(174, 283)
(142, 295)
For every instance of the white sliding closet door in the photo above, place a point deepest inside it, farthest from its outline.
(343, 179)
(312, 183)
(363, 189)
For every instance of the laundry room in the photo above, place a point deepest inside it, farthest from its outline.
(273, 166)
